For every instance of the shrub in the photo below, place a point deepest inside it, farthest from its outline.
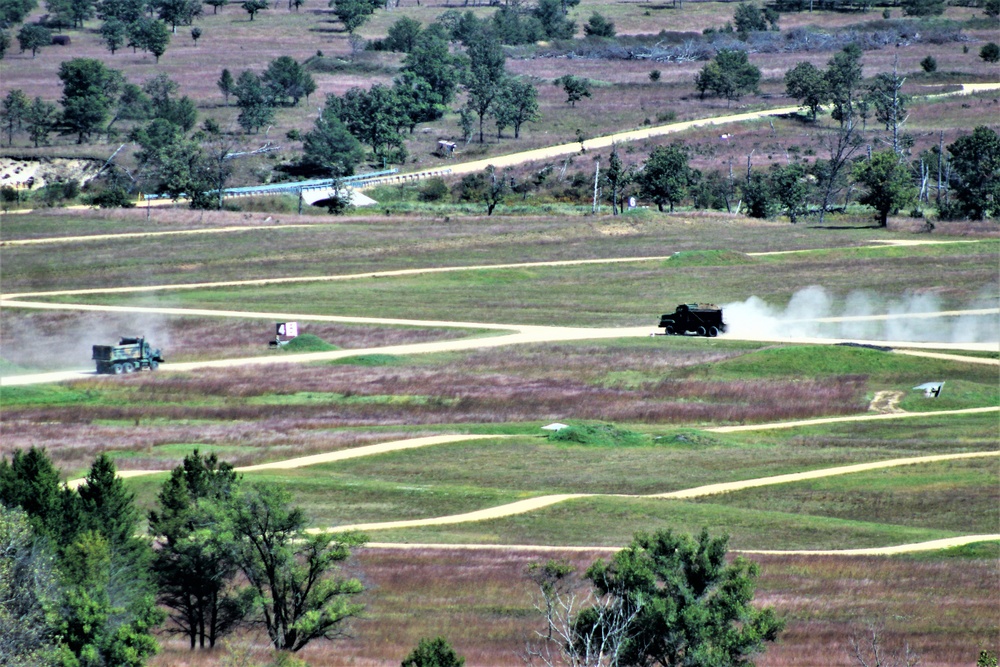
(434, 189)
(114, 197)
(990, 53)
(928, 64)
(654, 76)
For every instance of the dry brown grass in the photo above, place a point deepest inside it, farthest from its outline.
(481, 602)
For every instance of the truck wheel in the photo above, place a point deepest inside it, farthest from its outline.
(153, 365)
(702, 332)
(669, 330)
(128, 367)
(117, 369)
(713, 332)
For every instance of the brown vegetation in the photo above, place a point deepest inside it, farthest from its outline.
(481, 601)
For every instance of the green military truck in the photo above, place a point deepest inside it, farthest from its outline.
(701, 319)
(128, 356)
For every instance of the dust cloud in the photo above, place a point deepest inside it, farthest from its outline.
(32, 342)
(815, 313)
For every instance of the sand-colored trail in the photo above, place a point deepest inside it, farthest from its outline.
(532, 504)
(515, 335)
(129, 236)
(916, 547)
(394, 273)
(328, 457)
(850, 418)
(541, 502)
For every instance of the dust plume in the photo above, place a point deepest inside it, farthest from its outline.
(815, 313)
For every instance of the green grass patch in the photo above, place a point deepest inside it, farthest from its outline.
(49, 395)
(959, 495)
(708, 258)
(308, 343)
(988, 551)
(599, 435)
(602, 521)
(827, 360)
(372, 360)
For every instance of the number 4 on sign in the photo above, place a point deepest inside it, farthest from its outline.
(288, 329)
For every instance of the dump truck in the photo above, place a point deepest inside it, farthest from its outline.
(701, 319)
(128, 356)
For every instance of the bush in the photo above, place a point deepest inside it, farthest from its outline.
(114, 197)
(990, 53)
(654, 76)
(928, 64)
(434, 189)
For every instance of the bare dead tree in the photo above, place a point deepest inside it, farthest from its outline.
(566, 641)
(868, 649)
(844, 143)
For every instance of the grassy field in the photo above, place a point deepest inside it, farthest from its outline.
(667, 390)
(662, 393)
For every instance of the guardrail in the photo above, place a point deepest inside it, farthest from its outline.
(291, 186)
(402, 178)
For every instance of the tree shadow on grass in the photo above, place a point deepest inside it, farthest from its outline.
(842, 227)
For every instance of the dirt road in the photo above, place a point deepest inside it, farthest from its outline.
(540, 502)
(933, 545)
(533, 504)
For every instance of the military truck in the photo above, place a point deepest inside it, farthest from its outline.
(128, 356)
(701, 319)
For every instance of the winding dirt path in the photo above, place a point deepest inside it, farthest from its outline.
(541, 502)
(127, 236)
(932, 545)
(329, 457)
(849, 418)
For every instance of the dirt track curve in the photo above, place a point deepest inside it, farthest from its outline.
(541, 502)
(514, 333)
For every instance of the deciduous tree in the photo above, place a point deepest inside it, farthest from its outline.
(843, 78)
(666, 176)
(13, 112)
(114, 32)
(887, 184)
(805, 83)
(292, 571)
(41, 121)
(485, 75)
(33, 36)
(256, 107)
(730, 75)
(575, 87)
(975, 179)
(287, 81)
(329, 147)
(251, 7)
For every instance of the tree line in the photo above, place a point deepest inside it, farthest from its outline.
(81, 587)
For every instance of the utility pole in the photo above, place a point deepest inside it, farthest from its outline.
(597, 174)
